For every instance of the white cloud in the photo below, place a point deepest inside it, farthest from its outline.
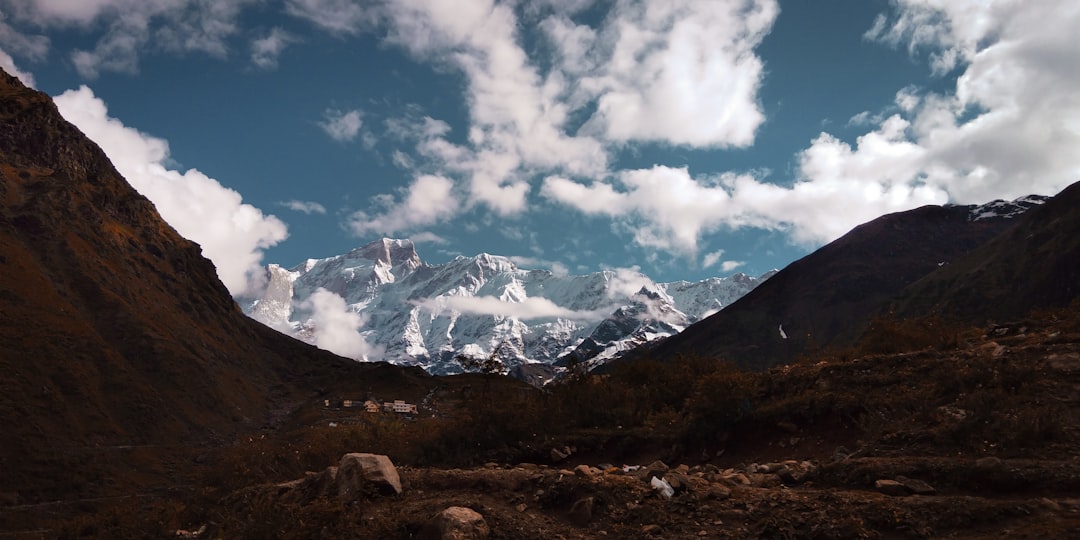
(729, 266)
(307, 207)
(556, 268)
(342, 126)
(8, 65)
(529, 308)
(427, 238)
(337, 328)
(670, 209)
(681, 72)
(712, 258)
(428, 200)
(266, 50)
(1007, 128)
(345, 17)
(131, 28)
(232, 234)
(32, 47)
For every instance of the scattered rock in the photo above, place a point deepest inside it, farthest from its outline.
(989, 462)
(559, 454)
(456, 523)
(891, 488)
(357, 470)
(719, 492)
(581, 512)
(916, 486)
(583, 471)
(651, 529)
(678, 481)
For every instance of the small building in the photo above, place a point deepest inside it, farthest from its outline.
(347, 403)
(371, 406)
(399, 406)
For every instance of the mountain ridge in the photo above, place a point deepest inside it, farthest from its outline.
(428, 314)
(827, 298)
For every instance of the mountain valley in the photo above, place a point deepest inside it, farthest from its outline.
(928, 386)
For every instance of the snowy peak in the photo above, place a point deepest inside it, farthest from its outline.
(1005, 209)
(415, 313)
(389, 252)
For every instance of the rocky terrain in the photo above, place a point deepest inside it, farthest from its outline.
(976, 439)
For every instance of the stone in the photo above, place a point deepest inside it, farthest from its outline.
(456, 523)
(581, 512)
(559, 454)
(891, 488)
(916, 486)
(678, 481)
(583, 471)
(358, 469)
(719, 492)
(989, 462)
(650, 529)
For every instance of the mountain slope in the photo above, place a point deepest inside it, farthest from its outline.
(825, 298)
(422, 314)
(1035, 264)
(114, 330)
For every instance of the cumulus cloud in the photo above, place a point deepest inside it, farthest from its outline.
(730, 266)
(336, 328)
(307, 207)
(529, 308)
(428, 200)
(681, 72)
(233, 235)
(266, 50)
(131, 28)
(342, 126)
(712, 258)
(1006, 129)
(8, 65)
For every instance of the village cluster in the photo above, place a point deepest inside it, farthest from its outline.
(397, 406)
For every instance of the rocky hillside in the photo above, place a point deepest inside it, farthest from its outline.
(115, 331)
(1035, 264)
(828, 297)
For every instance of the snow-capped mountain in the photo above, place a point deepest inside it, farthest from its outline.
(413, 313)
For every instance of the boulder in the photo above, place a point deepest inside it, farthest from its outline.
(916, 486)
(357, 470)
(891, 488)
(456, 523)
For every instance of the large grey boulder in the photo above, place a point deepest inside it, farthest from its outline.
(357, 473)
(456, 523)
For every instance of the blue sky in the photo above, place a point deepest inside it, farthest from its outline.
(684, 138)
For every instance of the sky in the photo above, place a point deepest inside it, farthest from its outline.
(682, 138)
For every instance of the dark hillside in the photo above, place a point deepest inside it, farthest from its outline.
(826, 297)
(1033, 265)
(114, 330)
